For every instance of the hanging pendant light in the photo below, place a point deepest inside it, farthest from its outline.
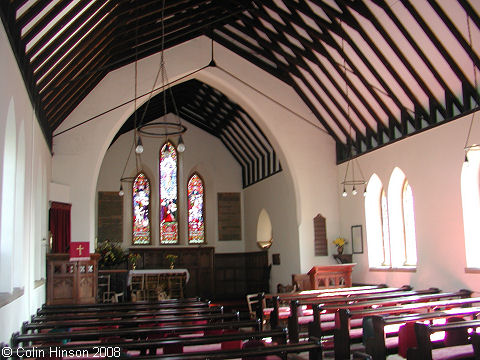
(352, 162)
(164, 127)
(473, 147)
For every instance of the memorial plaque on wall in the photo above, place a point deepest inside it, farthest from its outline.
(229, 216)
(110, 216)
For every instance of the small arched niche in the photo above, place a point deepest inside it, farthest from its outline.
(264, 230)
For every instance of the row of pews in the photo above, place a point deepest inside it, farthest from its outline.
(170, 329)
(373, 322)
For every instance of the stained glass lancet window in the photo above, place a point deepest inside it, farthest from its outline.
(168, 195)
(141, 213)
(196, 220)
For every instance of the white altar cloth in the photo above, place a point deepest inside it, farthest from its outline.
(157, 271)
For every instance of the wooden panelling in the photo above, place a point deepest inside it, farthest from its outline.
(238, 274)
(71, 282)
(199, 261)
(110, 216)
(320, 233)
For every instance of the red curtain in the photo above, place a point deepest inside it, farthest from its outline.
(60, 227)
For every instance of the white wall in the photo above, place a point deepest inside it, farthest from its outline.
(29, 210)
(432, 162)
(305, 151)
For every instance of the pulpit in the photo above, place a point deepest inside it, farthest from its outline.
(71, 282)
(331, 276)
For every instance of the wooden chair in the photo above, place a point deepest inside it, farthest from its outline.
(256, 303)
(175, 286)
(137, 287)
(301, 282)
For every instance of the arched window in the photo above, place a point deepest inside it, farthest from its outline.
(7, 220)
(409, 225)
(374, 214)
(470, 187)
(196, 210)
(141, 210)
(168, 194)
(401, 220)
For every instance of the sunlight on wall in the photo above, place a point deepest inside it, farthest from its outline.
(18, 280)
(471, 207)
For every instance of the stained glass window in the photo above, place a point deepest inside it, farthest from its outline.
(141, 213)
(196, 220)
(168, 195)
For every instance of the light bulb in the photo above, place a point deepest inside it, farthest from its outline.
(365, 192)
(121, 192)
(344, 194)
(181, 145)
(354, 191)
(139, 148)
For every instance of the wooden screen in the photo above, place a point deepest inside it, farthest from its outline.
(320, 233)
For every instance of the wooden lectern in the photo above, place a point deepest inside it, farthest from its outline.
(71, 282)
(331, 276)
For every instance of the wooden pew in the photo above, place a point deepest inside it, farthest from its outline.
(128, 314)
(127, 323)
(345, 331)
(128, 333)
(375, 344)
(123, 304)
(97, 308)
(313, 293)
(350, 298)
(313, 347)
(279, 336)
(425, 351)
(328, 308)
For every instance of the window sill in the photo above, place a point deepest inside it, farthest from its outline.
(7, 298)
(38, 283)
(394, 269)
(472, 270)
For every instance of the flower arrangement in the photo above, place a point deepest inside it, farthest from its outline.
(339, 243)
(110, 253)
(171, 259)
(132, 259)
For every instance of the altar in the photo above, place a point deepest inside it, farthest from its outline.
(161, 272)
(157, 284)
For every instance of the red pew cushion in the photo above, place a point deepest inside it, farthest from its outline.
(406, 338)
(233, 344)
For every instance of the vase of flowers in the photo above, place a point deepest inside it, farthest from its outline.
(111, 255)
(340, 244)
(171, 259)
(132, 260)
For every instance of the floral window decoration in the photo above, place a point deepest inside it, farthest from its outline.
(196, 221)
(141, 213)
(168, 195)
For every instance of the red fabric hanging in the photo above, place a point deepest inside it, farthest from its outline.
(60, 227)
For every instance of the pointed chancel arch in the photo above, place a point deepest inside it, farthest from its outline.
(141, 210)
(168, 194)
(196, 210)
